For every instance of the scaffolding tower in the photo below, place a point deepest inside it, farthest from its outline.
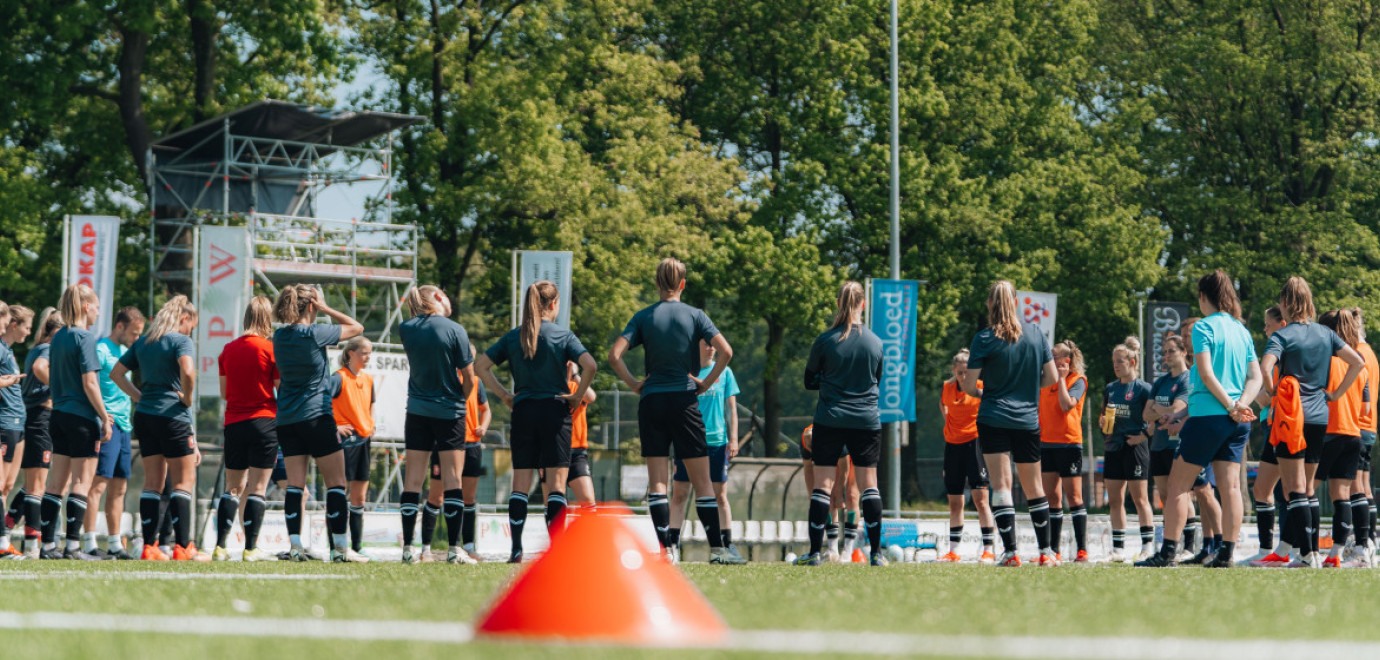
(263, 166)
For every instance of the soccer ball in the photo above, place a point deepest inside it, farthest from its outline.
(894, 554)
(790, 557)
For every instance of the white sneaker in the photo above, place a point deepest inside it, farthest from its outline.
(1145, 553)
(1250, 561)
(352, 557)
(1118, 556)
(673, 555)
(833, 556)
(1315, 560)
(1184, 555)
(459, 556)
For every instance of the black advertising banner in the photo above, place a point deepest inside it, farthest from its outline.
(1161, 320)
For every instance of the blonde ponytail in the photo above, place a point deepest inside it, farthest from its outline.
(1004, 318)
(421, 300)
(73, 304)
(539, 298)
(169, 316)
(850, 302)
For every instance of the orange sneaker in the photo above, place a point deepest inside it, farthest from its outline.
(1010, 559)
(152, 553)
(987, 558)
(950, 557)
(1082, 557)
(1332, 562)
(1059, 556)
(1050, 560)
(189, 553)
(1271, 560)
(9, 551)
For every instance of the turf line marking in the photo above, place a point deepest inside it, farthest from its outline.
(161, 575)
(768, 641)
(332, 629)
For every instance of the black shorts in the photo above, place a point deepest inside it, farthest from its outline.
(579, 464)
(9, 443)
(1065, 461)
(75, 436)
(1162, 461)
(1023, 444)
(474, 460)
(1341, 457)
(1267, 452)
(1314, 437)
(357, 461)
(1365, 456)
(251, 443)
(963, 464)
(422, 433)
(163, 436)
(863, 445)
(1130, 463)
(541, 434)
(38, 443)
(672, 419)
(316, 436)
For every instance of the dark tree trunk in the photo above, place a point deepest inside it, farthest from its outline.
(133, 45)
(771, 387)
(204, 30)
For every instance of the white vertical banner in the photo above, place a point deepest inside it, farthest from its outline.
(89, 258)
(222, 294)
(535, 266)
(1038, 308)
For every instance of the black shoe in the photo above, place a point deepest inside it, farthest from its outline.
(81, 556)
(1203, 557)
(1157, 560)
(515, 558)
(123, 555)
(1222, 560)
(101, 554)
(53, 553)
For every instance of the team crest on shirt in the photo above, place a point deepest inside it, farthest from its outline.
(1128, 395)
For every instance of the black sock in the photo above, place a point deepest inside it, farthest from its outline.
(1360, 519)
(453, 508)
(1190, 533)
(165, 516)
(1169, 549)
(226, 508)
(1118, 538)
(292, 511)
(872, 518)
(517, 519)
(150, 503)
(52, 508)
(660, 511)
(955, 537)
(707, 508)
(408, 508)
(1005, 516)
(429, 515)
(727, 535)
(989, 537)
(467, 525)
(555, 511)
(1296, 531)
(1147, 536)
(76, 515)
(1216, 542)
(16, 509)
(1265, 524)
(1374, 527)
(672, 537)
(1315, 511)
(1080, 526)
(1039, 519)
(254, 507)
(819, 517)
(338, 511)
(1227, 550)
(356, 527)
(181, 506)
(1056, 528)
(1341, 522)
(33, 516)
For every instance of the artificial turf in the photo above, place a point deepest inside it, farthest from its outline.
(929, 599)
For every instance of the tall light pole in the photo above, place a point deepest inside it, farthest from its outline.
(893, 431)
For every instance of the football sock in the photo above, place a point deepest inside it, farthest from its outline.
(1341, 525)
(292, 513)
(660, 511)
(1360, 519)
(1056, 528)
(467, 525)
(453, 508)
(356, 527)
(819, 516)
(429, 516)
(1265, 523)
(1080, 526)
(555, 512)
(955, 537)
(254, 507)
(408, 508)
(872, 517)
(1039, 519)
(150, 503)
(517, 519)
(226, 508)
(76, 515)
(708, 510)
(52, 508)
(1118, 539)
(181, 507)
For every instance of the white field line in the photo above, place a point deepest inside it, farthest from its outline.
(160, 575)
(767, 641)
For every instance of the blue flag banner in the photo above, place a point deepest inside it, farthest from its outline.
(893, 308)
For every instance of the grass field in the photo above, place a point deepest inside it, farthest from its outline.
(1099, 602)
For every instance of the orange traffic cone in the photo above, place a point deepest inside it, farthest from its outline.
(597, 564)
(858, 557)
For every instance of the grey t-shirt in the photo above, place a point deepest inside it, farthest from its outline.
(436, 348)
(1011, 376)
(847, 374)
(1129, 400)
(11, 398)
(671, 331)
(1305, 351)
(1166, 390)
(35, 392)
(542, 376)
(304, 372)
(156, 362)
(72, 355)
